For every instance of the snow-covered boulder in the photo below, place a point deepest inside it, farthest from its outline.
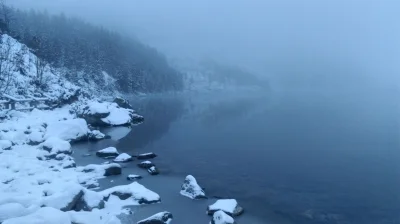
(96, 135)
(5, 144)
(133, 191)
(145, 164)
(103, 169)
(123, 103)
(68, 130)
(13, 210)
(64, 198)
(148, 155)
(123, 158)
(108, 114)
(191, 189)
(159, 218)
(89, 201)
(107, 152)
(221, 217)
(45, 215)
(229, 206)
(153, 170)
(55, 145)
(134, 177)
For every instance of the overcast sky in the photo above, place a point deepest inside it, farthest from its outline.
(285, 38)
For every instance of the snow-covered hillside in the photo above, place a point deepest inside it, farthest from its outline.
(22, 75)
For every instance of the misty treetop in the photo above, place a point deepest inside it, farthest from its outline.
(86, 51)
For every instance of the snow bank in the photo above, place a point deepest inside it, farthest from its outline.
(69, 130)
(46, 215)
(5, 144)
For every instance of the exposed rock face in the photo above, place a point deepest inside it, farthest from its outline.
(229, 206)
(159, 218)
(191, 189)
(107, 152)
(149, 155)
(221, 217)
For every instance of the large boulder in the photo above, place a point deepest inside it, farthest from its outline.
(102, 114)
(64, 199)
(159, 218)
(107, 152)
(229, 206)
(134, 191)
(221, 217)
(191, 189)
(55, 145)
(123, 158)
(69, 130)
(89, 201)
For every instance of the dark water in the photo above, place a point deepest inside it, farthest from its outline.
(299, 156)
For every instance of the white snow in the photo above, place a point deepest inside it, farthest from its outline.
(68, 130)
(109, 150)
(137, 190)
(45, 215)
(221, 217)
(117, 133)
(191, 188)
(226, 205)
(158, 216)
(56, 145)
(92, 198)
(12, 210)
(123, 158)
(116, 116)
(5, 144)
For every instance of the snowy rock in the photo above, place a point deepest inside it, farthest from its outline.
(153, 170)
(123, 158)
(107, 152)
(96, 135)
(68, 130)
(134, 191)
(149, 155)
(12, 210)
(5, 144)
(134, 177)
(104, 169)
(89, 201)
(221, 217)
(56, 146)
(45, 215)
(145, 164)
(64, 199)
(121, 102)
(229, 206)
(159, 218)
(108, 114)
(191, 189)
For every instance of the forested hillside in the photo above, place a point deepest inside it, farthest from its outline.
(83, 52)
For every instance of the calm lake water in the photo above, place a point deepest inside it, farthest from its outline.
(297, 156)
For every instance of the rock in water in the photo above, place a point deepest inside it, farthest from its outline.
(149, 155)
(121, 102)
(107, 152)
(159, 218)
(145, 164)
(134, 177)
(191, 189)
(96, 135)
(133, 191)
(112, 170)
(221, 217)
(229, 206)
(123, 158)
(153, 170)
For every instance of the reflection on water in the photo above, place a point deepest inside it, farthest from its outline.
(313, 157)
